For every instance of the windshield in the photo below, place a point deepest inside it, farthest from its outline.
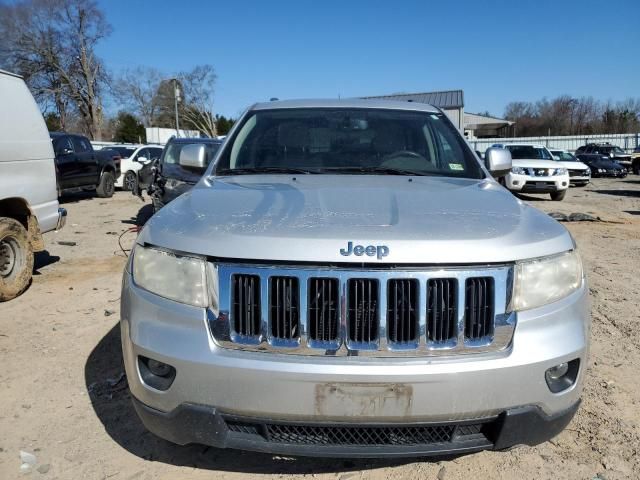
(348, 141)
(528, 152)
(172, 152)
(564, 156)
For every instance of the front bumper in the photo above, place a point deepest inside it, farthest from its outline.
(190, 423)
(62, 218)
(529, 184)
(270, 387)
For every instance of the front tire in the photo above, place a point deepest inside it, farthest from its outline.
(130, 182)
(558, 196)
(16, 259)
(107, 185)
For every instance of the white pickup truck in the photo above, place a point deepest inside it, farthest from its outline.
(28, 196)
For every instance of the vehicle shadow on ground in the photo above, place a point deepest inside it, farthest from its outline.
(43, 259)
(111, 402)
(620, 193)
(76, 197)
(530, 198)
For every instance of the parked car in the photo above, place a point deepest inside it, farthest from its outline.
(134, 157)
(603, 166)
(168, 178)
(535, 171)
(28, 201)
(80, 167)
(348, 279)
(635, 160)
(596, 150)
(579, 173)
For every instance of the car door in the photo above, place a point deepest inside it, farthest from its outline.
(87, 161)
(65, 161)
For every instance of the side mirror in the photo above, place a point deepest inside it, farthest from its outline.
(555, 157)
(64, 151)
(142, 160)
(193, 156)
(498, 161)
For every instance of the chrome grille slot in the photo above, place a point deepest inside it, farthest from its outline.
(402, 310)
(479, 308)
(323, 306)
(362, 315)
(442, 312)
(246, 304)
(284, 307)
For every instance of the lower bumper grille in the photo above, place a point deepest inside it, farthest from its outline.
(330, 435)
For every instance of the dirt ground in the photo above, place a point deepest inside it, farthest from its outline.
(63, 397)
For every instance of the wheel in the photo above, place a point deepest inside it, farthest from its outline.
(107, 185)
(130, 181)
(558, 196)
(16, 259)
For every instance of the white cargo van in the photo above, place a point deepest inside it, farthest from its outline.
(28, 194)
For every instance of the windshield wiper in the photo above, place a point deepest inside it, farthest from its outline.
(385, 170)
(251, 170)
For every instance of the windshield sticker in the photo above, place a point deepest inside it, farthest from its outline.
(456, 166)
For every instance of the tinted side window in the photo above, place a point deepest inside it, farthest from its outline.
(62, 144)
(154, 153)
(81, 145)
(143, 153)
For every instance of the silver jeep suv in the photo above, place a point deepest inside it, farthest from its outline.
(347, 279)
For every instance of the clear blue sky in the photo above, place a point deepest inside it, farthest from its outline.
(496, 52)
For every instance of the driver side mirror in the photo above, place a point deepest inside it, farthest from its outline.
(143, 160)
(194, 157)
(498, 161)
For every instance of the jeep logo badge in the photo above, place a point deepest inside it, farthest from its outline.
(379, 251)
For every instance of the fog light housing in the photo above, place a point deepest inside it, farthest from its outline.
(155, 373)
(562, 376)
(516, 182)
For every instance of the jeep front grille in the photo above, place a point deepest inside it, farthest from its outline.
(367, 312)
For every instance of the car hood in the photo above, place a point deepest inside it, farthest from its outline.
(310, 218)
(533, 163)
(572, 165)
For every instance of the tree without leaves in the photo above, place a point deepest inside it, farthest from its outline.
(197, 95)
(137, 89)
(51, 43)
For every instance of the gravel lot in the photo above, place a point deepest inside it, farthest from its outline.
(64, 398)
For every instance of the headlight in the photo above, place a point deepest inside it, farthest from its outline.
(560, 171)
(545, 280)
(518, 170)
(173, 276)
(601, 170)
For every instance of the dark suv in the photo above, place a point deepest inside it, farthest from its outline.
(166, 179)
(592, 151)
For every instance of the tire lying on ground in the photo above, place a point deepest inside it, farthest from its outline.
(16, 259)
(107, 185)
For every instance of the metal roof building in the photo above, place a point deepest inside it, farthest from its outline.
(450, 101)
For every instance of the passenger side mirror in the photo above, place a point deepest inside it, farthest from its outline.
(498, 161)
(143, 160)
(193, 156)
